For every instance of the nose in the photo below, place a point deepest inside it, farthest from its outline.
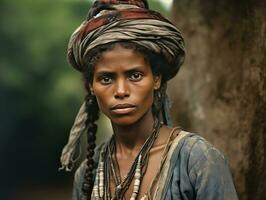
(121, 89)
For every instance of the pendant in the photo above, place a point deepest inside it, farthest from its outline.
(145, 197)
(119, 187)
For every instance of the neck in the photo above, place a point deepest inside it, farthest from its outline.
(129, 139)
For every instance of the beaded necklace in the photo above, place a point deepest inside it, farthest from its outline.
(108, 168)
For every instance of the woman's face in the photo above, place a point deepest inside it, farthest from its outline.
(123, 84)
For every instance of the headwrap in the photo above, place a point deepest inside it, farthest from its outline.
(111, 21)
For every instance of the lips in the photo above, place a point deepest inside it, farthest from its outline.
(123, 108)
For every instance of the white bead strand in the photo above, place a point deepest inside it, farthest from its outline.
(137, 176)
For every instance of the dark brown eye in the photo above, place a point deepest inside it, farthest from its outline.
(105, 80)
(136, 76)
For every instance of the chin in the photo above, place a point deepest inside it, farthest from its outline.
(124, 120)
(127, 119)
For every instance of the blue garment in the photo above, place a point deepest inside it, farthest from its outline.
(198, 171)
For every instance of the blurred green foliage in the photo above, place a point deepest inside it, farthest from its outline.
(39, 92)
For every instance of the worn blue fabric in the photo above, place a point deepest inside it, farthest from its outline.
(198, 171)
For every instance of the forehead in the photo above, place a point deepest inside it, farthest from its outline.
(120, 58)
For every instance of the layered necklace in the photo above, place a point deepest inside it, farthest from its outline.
(108, 168)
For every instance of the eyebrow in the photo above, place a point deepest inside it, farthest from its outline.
(138, 68)
(105, 72)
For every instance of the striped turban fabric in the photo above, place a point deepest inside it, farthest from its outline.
(111, 21)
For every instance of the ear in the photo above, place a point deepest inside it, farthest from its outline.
(157, 81)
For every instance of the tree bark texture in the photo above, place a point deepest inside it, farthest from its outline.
(220, 92)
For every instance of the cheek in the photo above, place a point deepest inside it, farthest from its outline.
(102, 104)
(101, 97)
(146, 96)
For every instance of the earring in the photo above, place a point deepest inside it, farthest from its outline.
(158, 94)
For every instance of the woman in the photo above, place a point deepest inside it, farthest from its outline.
(127, 53)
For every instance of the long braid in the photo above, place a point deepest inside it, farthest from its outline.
(93, 114)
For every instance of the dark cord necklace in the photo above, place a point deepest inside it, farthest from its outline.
(112, 167)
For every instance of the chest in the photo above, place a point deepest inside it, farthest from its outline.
(149, 173)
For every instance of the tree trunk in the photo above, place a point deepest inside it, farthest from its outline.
(220, 92)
